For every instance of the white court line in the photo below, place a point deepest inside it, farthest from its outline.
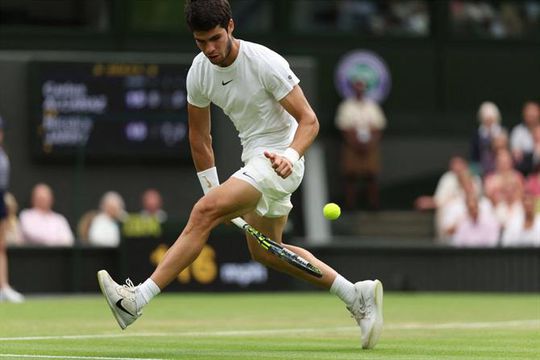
(255, 332)
(71, 357)
(466, 325)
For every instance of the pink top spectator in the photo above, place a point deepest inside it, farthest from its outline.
(42, 226)
(480, 228)
(483, 233)
(45, 228)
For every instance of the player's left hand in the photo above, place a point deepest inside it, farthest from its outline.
(282, 166)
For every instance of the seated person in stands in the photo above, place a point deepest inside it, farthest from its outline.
(83, 226)
(523, 229)
(41, 225)
(484, 141)
(521, 138)
(152, 204)
(504, 187)
(104, 228)
(531, 161)
(148, 222)
(532, 186)
(449, 188)
(455, 211)
(479, 228)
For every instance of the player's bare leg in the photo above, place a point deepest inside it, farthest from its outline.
(364, 299)
(273, 228)
(229, 200)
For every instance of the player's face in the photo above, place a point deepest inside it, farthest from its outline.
(216, 44)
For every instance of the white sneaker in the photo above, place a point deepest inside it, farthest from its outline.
(10, 295)
(121, 299)
(367, 309)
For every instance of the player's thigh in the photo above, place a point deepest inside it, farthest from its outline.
(271, 227)
(231, 199)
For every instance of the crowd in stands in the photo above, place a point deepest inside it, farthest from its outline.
(40, 225)
(493, 199)
(494, 19)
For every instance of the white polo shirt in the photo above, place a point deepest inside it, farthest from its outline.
(248, 91)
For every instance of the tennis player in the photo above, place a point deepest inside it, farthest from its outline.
(256, 88)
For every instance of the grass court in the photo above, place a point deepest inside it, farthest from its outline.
(273, 326)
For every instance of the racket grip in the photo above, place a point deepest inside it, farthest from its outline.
(239, 222)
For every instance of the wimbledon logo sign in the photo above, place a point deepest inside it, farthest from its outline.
(365, 66)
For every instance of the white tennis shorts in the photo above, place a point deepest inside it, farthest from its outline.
(276, 191)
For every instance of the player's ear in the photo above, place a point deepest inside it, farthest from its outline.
(230, 26)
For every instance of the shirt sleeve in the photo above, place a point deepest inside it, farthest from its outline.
(277, 76)
(194, 92)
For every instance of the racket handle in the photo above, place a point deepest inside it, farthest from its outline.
(239, 222)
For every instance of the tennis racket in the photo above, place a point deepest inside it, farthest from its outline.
(278, 250)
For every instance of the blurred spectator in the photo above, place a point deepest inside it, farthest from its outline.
(451, 214)
(104, 228)
(41, 225)
(148, 222)
(521, 138)
(487, 137)
(471, 17)
(357, 15)
(449, 187)
(523, 229)
(83, 226)
(361, 122)
(532, 160)
(13, 232)
(411, 17)
(499, 143)
(152, 205)
(367, 17)
(532, 186)
(496, 19)
(504, 187)
(479, 228)
(7, 293)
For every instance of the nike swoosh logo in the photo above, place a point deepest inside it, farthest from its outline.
(121, 307)
(208, 183)
(226, 82)
(249, 176)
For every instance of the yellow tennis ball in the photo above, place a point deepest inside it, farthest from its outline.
(331, 211)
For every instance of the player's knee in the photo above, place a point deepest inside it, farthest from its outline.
(205, 212)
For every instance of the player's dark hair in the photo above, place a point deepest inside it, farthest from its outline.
(204, 15)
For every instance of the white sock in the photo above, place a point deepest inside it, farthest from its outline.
(344, 289)
(148, 290)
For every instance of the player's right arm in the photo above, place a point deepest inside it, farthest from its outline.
(200, 139)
